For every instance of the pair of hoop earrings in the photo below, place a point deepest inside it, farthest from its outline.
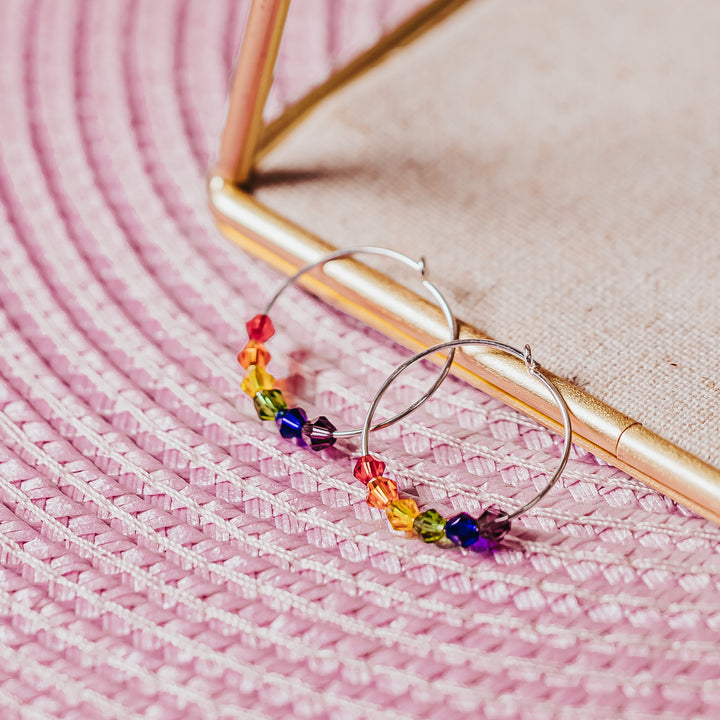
(483, 532)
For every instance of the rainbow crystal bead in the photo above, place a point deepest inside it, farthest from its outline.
(381, 492)
(254, 353)
(430, 526)
(401, 514)
(260, 328)
(462, 529)
(319, 433)
(268, 403)
(257, 378)
(367, 468)
(290, 423)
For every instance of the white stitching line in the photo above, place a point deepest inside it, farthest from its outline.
(46, 519)
(564, 589)
(294, 463)
(541, 629)
(604, 521)
(355, 625)
(519, 462)
(184, 643)
(101, 655)
(286, 507)
(22, 709)
(74, 691)
(11, 548)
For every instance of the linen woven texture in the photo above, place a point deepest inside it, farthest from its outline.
(565, 157)
(164, 554)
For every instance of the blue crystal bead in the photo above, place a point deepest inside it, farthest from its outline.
(462, 530)
(319, 433)
(290, 423)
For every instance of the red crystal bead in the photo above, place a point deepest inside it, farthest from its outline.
(260, 328)
(368, 468)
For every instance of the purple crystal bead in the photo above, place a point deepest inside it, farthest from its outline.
(318, 434)
(493, 524)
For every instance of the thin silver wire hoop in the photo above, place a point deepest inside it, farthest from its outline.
(419, 266)
(532, 367)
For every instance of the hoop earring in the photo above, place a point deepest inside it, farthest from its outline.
(462, 529)
(269, 401)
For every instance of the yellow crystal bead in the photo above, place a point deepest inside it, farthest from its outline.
(256, 379)
(381, 492)
(401, 514)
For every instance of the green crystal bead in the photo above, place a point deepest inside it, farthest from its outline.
(430, 526)
(268, 402)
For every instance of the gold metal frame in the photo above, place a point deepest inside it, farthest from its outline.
(391, 308)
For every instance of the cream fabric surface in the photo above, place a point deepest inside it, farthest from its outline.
(558, 164)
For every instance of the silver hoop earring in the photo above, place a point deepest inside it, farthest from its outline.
(462, 529)
(269, 401)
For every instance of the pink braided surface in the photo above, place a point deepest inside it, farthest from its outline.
(167, 556)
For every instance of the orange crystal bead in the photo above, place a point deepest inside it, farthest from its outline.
(381, 492)
(401, 514)
(254, 353)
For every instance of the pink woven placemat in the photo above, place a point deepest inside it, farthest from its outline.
(164, 554)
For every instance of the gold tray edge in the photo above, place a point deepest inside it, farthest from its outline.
(409, 319)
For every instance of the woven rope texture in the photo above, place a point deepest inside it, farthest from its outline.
(164, 554)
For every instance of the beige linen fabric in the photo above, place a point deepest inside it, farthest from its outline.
(558, 164)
